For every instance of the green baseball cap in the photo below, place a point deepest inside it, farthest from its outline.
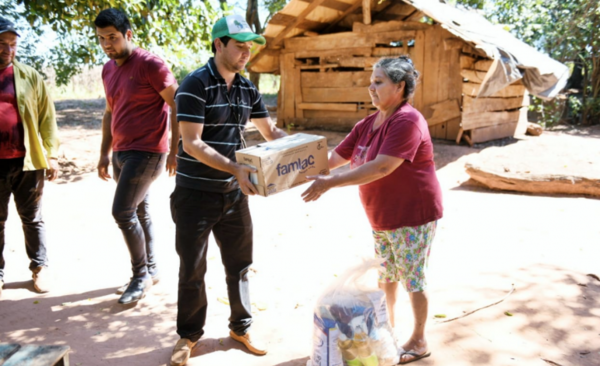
(235, 26)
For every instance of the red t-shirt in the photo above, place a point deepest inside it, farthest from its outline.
(411, 194)
(139, 113)
(12, 136)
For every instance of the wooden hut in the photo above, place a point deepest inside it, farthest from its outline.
(324, 51)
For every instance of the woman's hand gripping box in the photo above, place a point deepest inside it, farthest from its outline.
(284, 163)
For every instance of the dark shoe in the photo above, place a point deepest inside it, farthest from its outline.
(155, 280)
(41, 279)
(181, 352)
(252, 346)
(136, 290)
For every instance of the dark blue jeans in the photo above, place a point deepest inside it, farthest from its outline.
(27, 188)
(196, 214)
(134, 172)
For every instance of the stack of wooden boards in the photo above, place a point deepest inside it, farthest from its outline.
(501, 115)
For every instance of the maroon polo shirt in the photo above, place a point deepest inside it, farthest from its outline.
(411, 194)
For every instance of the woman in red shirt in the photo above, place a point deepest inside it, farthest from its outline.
(391, 159)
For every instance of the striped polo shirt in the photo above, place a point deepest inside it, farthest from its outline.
(203, 98)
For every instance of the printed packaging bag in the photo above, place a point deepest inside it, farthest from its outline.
(351, 326)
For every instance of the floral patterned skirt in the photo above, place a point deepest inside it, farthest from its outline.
(405, 254)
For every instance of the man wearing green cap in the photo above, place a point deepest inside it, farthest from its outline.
(214, 103)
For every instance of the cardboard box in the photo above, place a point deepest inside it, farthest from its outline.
(284, 163)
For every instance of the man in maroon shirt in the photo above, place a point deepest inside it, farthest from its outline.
(139, 88)
(28, 146)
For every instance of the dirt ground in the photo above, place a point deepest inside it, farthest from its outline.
(487, 242)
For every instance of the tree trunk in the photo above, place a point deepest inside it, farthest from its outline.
(255, 79)
(585, 105)
(252, 16)
(254, 22)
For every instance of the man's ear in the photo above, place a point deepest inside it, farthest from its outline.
(129, 35)
(218, 44)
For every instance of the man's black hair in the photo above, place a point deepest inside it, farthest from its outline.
(224, 40)
(114, 17)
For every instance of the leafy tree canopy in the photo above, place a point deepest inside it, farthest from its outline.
(561, 28)
(180, 28)
(567, 30)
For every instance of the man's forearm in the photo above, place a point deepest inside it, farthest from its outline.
(268, 129)
(209, 156)
(174, 131)
(106, 144)
(277, 133)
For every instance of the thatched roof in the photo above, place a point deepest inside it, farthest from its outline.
(516, 60)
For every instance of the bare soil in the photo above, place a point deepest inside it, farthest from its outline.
(487, 241)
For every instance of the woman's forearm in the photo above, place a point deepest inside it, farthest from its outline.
(382, 166)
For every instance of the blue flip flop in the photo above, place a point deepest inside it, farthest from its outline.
(414, 354)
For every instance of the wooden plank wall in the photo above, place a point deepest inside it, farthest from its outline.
(325, 78)
(441, 83)
(500, 115)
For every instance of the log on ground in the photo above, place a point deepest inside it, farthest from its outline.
(540, 165)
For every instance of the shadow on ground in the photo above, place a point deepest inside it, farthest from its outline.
(583, 131)
(85, 113)
(296, 362)
(552, 315)
(91, 323)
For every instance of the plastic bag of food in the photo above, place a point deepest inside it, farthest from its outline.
(351, 325)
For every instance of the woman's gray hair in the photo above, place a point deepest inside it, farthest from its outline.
(398, 70)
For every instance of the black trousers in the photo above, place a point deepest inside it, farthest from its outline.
(196, 214)
(27, 188)
(134, 172)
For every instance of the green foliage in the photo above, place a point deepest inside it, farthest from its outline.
(273, 6)
(29, 38)
(269, 83)
(474, 4)
(561, 28)
(176, 29)
(550, 112)
(567, 30)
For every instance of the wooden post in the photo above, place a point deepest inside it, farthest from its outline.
(287, 80)
(467, 138)
(366, 10)
(419, 62)
(280, 107)
(281, 96)
(459, 137)
(298, 92)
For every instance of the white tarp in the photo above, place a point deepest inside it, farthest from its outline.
(513, 60)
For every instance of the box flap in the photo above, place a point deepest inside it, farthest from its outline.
(281, 144)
